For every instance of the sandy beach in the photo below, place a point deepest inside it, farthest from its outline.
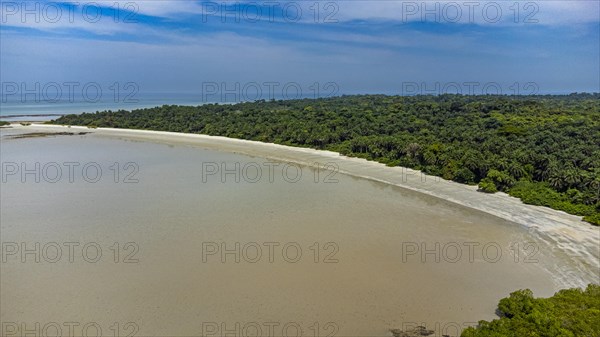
(568, 232)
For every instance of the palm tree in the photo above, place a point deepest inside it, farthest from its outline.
(557, 181)
(413, 150)
(516, 170)
(572, 176)
(548, 169)
(430, 157)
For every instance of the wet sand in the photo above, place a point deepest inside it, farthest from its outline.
(370, 286)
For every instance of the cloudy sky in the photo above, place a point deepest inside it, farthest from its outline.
(392, 47)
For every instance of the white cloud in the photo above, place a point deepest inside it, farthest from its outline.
(478, 12)
(157, 8)
(52, 17)
(82, 15)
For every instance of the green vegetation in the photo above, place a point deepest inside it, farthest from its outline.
(3, 123)
(543, 149)
(569, 313)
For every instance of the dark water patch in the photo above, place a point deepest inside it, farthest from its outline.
(45, 134)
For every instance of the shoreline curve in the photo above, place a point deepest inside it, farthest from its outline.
(577, 238)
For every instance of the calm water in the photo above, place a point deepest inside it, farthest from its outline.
(169, 250)
(36, 107)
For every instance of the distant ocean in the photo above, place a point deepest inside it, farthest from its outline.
(17, 109)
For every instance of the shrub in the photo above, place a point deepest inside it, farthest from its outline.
(569, 313)
(464, 175)
(487, 185)
(541, 194)
(594, 219)
(501, 179)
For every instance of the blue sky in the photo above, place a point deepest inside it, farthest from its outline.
(391, 47)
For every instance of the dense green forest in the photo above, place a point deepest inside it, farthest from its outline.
(569, 313)
(542, 149)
